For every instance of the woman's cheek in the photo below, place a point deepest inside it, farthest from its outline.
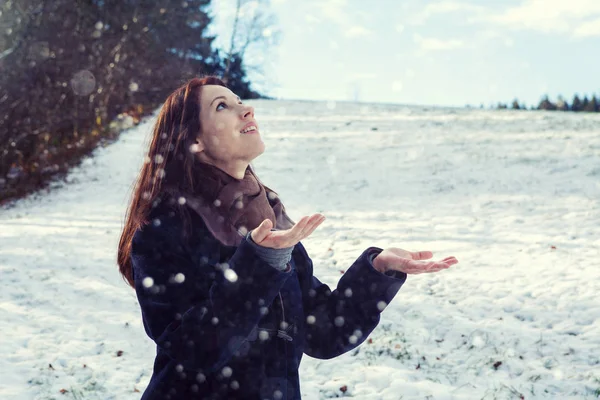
(214, 139)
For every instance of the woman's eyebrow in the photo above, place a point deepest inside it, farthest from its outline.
(223, 97)
(216, 98)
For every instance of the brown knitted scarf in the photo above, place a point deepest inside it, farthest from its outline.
(231, 207)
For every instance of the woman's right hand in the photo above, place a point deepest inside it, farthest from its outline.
(263, 235)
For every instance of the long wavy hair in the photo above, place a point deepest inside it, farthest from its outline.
(169, 164)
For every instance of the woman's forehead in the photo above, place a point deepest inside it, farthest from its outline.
(209, 92)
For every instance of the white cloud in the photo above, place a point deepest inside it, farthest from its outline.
(551, 16)
(362, 76)
(444, 7)
(336, 12)
(577, 18)
(434, 44)
(590, 28)
(357, 31)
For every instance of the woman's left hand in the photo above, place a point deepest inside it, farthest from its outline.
(410, 262)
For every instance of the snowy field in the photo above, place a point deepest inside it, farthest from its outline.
(514, 196)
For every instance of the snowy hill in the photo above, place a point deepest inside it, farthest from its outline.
(514, 196)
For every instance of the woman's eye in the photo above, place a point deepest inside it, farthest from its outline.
(220, 104)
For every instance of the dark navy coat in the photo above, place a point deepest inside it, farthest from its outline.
(228, 326)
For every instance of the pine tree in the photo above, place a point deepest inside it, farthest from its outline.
(69, 68)
(546, 104)
(585, 103)
(592, 105)
(576, 105)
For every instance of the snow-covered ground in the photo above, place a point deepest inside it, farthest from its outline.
(514, 196)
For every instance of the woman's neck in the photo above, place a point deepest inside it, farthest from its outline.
(234, 169)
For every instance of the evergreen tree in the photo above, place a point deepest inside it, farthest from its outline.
(546, 104)
(576, 105)
(515, 105)
(592, 105)
(237, 80)
(69, 68)
(585, 103)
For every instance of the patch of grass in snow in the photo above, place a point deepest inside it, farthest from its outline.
(550, 363)
(332, 394)
(503, 392)
(596, 393)
(77, 383)
(388, 344)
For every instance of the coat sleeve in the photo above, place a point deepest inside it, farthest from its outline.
(340, 320)
(197, 310)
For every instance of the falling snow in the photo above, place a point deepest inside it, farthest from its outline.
(513, 196)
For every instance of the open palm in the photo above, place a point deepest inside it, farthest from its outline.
(410, 262)
(264, 236)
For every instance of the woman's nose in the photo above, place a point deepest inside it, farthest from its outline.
(248, 111)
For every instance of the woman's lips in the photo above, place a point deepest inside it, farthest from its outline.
(248, 125)
(255, 130)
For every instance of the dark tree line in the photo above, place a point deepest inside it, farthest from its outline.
(577, 104)
(68, 68)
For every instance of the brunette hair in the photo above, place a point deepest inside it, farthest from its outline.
(169, 164)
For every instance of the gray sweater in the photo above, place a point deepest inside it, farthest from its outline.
(277, 258)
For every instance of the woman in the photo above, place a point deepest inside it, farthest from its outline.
(225, 287)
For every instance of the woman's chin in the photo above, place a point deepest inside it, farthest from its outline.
(262, 147)
(258, 151)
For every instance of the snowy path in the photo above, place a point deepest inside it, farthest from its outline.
(515, 196)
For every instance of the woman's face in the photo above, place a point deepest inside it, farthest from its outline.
(225, 138)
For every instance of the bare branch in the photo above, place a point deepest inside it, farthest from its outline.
(249, 33)
(231, 47)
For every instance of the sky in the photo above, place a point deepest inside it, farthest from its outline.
(450, 53)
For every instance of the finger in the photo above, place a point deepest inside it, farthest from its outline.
(316, 220)
(421, 255)
(300, 233)
(437, 267)
(437, 264)
(314, 227)
(310, 221)
(418, 267)
(450, 260)
(296, 231)
(291, 236)
(260, 233)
